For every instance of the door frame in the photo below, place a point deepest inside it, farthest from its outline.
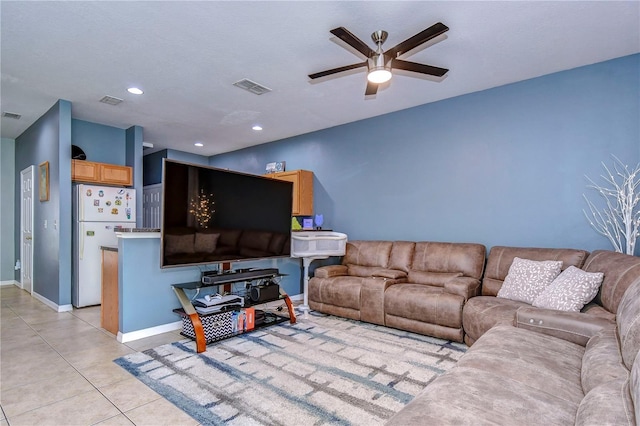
(32, 171)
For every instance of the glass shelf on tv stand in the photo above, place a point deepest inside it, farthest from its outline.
(189, 310)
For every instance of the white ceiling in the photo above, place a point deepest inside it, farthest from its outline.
(186, 55)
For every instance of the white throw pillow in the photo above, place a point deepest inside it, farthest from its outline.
(528, 278)
(570, 291)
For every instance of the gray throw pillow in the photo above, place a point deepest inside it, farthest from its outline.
(570, 291)
(528, 278)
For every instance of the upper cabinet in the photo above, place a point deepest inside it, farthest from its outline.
(106, 174)
(302, 190)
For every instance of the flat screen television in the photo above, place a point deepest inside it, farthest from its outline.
(211, 215)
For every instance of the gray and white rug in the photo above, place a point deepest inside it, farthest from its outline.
(322, 370)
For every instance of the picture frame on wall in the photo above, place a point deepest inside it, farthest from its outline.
(43, 173)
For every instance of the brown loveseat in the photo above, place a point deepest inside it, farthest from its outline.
(553, 368)
(190, 245)
(414, 286)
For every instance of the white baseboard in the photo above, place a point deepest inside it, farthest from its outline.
(52, 305)
(9, 282)
(148, 332)
(297, 297)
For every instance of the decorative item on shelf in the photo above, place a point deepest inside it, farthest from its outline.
(307, 223)
(277, 166)
(619, 220)
(319, 219)
(202, 207)
(43, 170)
(295, 225)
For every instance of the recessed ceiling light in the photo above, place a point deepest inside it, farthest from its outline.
(135, 91)
(198, 144)
(257, 128)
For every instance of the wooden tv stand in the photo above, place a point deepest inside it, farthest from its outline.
(194, 316)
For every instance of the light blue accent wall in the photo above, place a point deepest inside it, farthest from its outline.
(7, 206)
(133, 158)
(504, 166)
(146, 297)
(187, 157)
(101, 143)
(49, 139)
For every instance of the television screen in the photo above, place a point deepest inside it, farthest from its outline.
(211, 215)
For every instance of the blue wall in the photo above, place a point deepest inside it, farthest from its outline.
(49, 139)
(505, 166)
(153, 163)
(104, 144)
(7, 205)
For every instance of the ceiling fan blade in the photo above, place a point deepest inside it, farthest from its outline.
(422, 37)
(420, 68)
(353, 41)
(372, 88)
(337, 70)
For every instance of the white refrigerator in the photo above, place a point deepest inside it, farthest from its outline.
(97, 211)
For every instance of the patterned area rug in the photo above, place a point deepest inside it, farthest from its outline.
(322, 370)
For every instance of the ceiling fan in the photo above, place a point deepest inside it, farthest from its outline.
(379, 63)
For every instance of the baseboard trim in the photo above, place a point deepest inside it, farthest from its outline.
(297, 297)
(148, 332)
(9, 282)
(52, 305)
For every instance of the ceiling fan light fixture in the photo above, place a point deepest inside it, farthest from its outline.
(379, 75)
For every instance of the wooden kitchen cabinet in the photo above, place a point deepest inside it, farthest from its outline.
(302, 190)
(102, 173)
(109, 301)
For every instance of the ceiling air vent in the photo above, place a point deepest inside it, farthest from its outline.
(13, 115)
(251, 86)
(111, 100)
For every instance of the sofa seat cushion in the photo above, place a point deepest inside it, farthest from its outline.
(602, 361)
(337, 291)
(510, 376)
(483, 312)
(425, 303)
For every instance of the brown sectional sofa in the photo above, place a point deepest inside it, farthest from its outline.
(552, 368)
(526, 365)
(415, 286)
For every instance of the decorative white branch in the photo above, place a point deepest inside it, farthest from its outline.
(619, 220)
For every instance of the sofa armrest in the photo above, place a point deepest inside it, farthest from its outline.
(466, 287)
(391, 274)
(330, 271)
(576, 327)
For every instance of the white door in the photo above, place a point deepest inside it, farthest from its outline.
(26, 228)
(151, 205)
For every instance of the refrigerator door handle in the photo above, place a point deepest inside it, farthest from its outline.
(81, 242)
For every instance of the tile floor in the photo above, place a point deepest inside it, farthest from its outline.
(57, 369)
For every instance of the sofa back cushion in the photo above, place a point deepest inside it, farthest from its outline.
(401, 255)
(620, 272)
(368, 253)
(628, 322)
(501, 257)
(467, 258)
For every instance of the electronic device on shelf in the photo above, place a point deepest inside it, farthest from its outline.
(264, 292)
(216, 303)
(215, 277)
